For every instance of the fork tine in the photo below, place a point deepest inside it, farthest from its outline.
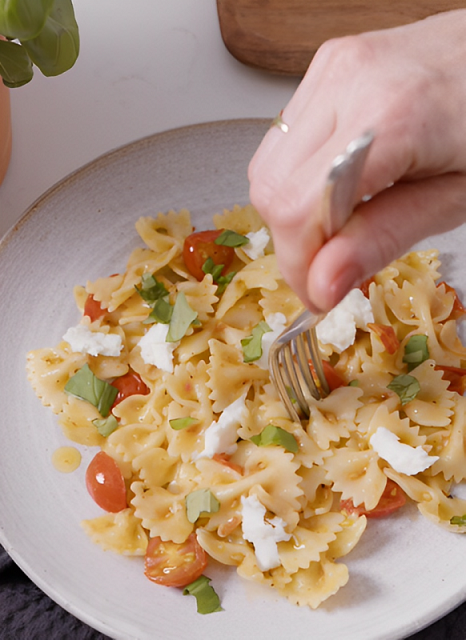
(290, 371)
(303, 356)
(316, 361)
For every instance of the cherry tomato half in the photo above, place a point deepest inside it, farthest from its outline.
(172, 564)
(334, 380)
(455, 376)
(93, 309)
(387, 335)
(392, 499)
(129, 385)
(105, 483)
(199, 246)
(458, 308)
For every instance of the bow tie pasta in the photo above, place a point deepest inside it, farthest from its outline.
(166, 376)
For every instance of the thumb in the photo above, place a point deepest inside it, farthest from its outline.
(381, 230)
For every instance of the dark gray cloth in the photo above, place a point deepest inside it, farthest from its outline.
(26, 613)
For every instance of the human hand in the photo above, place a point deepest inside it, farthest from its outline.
(406, 84)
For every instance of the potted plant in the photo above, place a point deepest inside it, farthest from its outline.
(41, 33)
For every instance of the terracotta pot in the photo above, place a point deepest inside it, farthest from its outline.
(5, 130)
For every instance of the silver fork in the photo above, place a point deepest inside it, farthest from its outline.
(296, 350)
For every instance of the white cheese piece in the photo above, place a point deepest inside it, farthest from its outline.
(82, 340)
(258, 240)
(263, 535)
(400, 456)
(338, 328)
(221, 436)
(277, 322)
(154, 348)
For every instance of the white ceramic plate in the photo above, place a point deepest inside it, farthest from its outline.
(404, 574)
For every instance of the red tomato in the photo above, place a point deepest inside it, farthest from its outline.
(105, 483)
(172, 564)
(224, 458)
(458, 309)
(455, 376)
(128, 385)
(387, 335)
(200, 246)
(334, 380)
(392, 499)
(93, 309)
(364, 286)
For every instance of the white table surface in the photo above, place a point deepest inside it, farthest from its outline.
(145, 66)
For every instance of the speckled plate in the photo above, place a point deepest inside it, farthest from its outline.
(404, 574)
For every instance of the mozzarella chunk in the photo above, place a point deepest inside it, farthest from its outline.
(221, 436)
(338, 328)
(82, 340)
(154, 348)
(400, 456)
(258, 240)
(263, 535)
(277, 322)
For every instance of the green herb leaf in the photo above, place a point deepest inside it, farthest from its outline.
(460, 521)
(252, 345)
(106, 426)
(353, 383)
(181, 318)
(199, 503)
(151, 289)
(229, 238)
(273, 435)
(15, 64)
(55, 49)
(86, 386)
(224, 280)
(23, 19)
(162, 312)
(206, 598)
(182, 423)
(416, 351)
(406, 387)
(215, 270)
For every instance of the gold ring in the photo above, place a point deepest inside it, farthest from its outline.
(278, 122)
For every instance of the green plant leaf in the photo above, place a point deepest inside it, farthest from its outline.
(56, 48)
(181, 318)
(276, 436)
(151, 289)
(416, 351)
(460, 521)
(201, 502)
(15, 64)
(252, 345)
(206, 597)
(229, 238)
(405, 386)
(182, 423)
(86, 386)
(106, 426)
(23, 19)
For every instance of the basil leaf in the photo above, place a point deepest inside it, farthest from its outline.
(405, 386)
(229, 238)
(199, 503)
(353, 383)
(206, 598)
(15, 64)
(23, 19)
(460, 521)
(162, 312)
(106, 426)
(215, 270)
(86, 386)
(181, 318)
(151, 289)
(252, 345)
(55, 49)
(182, 423)
(224, 280)
(416, 351)
(273, 435)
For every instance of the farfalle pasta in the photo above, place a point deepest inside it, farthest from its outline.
(207, 458)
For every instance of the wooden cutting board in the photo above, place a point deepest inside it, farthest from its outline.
(282, 36)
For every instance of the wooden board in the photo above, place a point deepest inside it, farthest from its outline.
(282, 36)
